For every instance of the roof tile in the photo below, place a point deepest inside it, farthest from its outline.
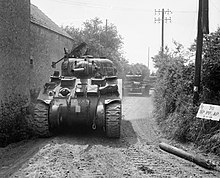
(38, 17)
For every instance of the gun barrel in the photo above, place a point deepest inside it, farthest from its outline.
(54, 63)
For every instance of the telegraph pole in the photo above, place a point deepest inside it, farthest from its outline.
(203, 28)
(106, 27)
(106, 32)
(148, 58)
(162, 19)
(162, 35)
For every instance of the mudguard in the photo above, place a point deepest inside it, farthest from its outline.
(54, 116)
(46, 94)
(108, 101)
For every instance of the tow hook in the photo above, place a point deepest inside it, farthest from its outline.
(93, 126)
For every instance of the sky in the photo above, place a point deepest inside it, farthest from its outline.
(135, 22)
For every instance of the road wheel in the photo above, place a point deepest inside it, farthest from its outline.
(113, 120)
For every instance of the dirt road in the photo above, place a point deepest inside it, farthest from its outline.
(89, 154)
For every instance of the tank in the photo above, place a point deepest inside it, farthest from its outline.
(86, 93)
(134, 84)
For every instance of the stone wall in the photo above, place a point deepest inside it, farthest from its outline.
(14, 50)
(14, 58)
(46, 46)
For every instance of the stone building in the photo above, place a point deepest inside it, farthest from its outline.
(14, 63)
(29, 42)
(46, 45)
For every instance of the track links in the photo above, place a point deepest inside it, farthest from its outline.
(39, 121)
(113, 120)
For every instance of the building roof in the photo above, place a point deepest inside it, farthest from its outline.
(39, 18)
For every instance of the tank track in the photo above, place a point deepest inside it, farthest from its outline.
(113, 120)
(39, 121)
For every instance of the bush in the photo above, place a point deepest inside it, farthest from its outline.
(173, 94)
(13, 127)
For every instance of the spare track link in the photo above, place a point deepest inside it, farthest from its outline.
(39, 121)
(113, 120)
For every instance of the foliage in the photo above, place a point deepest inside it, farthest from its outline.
(174, 110)
(104, 41)
(211, 88)
(13, 127)
(138, 69)
(173, 83)
(211, 68)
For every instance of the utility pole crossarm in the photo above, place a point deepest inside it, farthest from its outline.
(163, 19)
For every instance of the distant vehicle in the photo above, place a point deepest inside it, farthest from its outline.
(135, 85)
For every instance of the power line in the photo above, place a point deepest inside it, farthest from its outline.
(188, 12)
(81, 4)
(104, 6)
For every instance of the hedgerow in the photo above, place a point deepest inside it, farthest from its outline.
(174, 110)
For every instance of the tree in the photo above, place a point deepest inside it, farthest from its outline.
(138, 69)
(105, 41)
(102, 41)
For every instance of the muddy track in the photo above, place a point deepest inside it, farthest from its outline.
(91, 154)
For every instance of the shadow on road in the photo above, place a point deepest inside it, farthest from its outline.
(15, 155)
(86, 136)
